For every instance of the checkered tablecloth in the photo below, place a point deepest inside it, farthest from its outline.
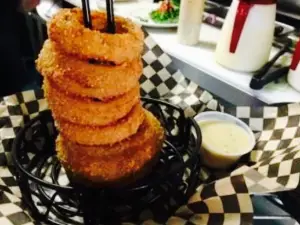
(274, 161)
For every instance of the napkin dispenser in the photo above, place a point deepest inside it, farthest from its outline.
(247, 34)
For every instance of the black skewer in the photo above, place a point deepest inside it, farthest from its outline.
(86, 13)
(111, 27)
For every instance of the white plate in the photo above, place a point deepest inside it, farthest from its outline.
(141, 16)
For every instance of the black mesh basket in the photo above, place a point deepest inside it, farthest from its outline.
(51, 198)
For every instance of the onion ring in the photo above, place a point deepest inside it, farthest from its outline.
(102, 135)
(76, 89)
(90, 75)
(116, 163)
(68, 31)
(87, 80)
(86, 111)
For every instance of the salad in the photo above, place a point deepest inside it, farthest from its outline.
(166, 13)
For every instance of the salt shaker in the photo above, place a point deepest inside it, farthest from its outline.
(247, 34)
(190, 19)
(294, 72)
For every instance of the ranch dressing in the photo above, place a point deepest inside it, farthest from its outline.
(224, 137)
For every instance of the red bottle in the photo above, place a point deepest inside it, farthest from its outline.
(294, 73)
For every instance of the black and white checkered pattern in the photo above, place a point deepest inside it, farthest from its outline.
(11, 209)
(277, 151)
(15, 111)
(12, 212)
(277, 173)
(226, 201)
(283, 168)
(257, 182)
(278, 127)
(161, 79)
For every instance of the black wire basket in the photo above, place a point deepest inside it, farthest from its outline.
(52, 198)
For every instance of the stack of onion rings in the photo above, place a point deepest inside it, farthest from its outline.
(110, 163)
(91, 84)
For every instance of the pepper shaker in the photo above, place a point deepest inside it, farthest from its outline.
(190, 19)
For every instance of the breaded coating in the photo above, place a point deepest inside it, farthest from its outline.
(81, 78)
(87, 111)
(120, 163)
(67, 30)
(103, 135)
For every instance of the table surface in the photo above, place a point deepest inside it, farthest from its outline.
(266, 212)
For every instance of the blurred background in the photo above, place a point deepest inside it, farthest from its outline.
(24, 31)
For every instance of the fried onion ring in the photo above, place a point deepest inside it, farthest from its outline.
(118, 163)
(74, 88)
(87, 111)
(68, 31)
(102, 135)
(52, 62)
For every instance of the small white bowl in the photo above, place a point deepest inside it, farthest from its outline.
(216, 158)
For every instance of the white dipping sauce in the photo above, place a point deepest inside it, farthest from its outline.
(224, 137)
(223, 143)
